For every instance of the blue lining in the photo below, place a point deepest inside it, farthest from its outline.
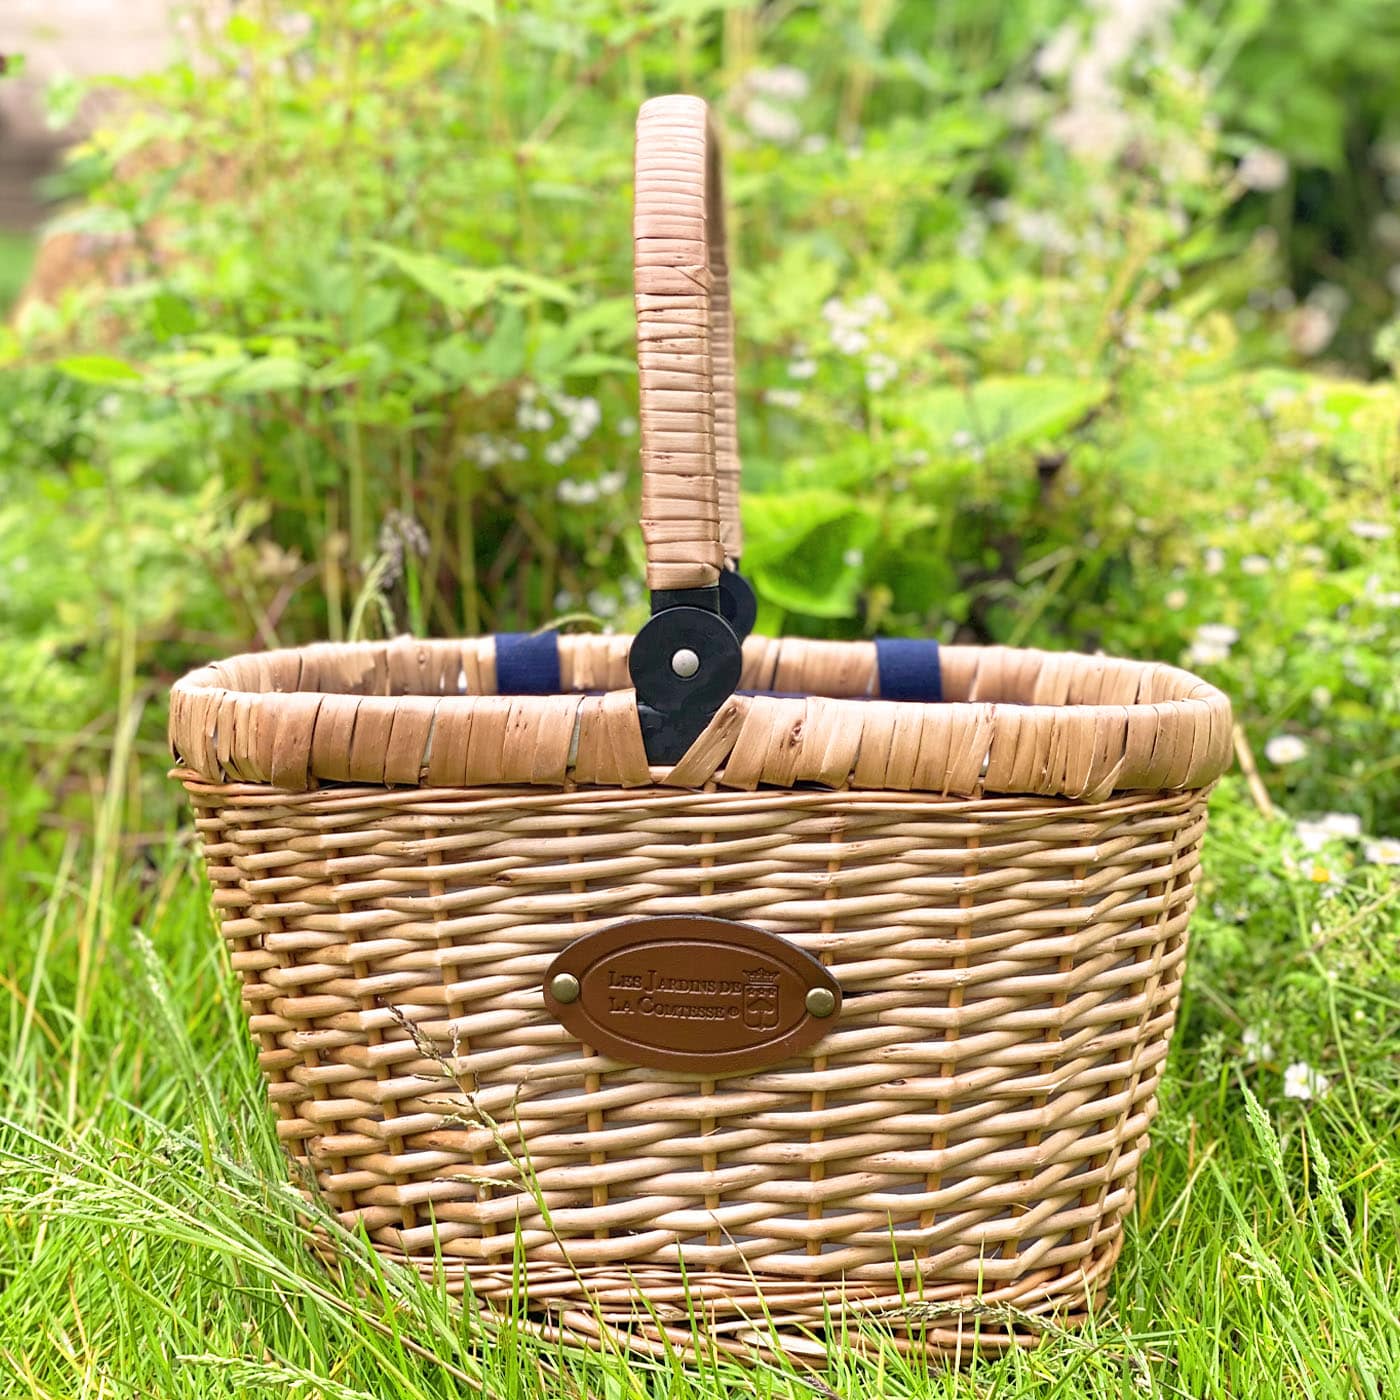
(527, 663)
(909, 669)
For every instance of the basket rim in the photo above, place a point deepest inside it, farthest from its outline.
(424, 713)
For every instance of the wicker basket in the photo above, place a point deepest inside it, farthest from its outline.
(951, 923)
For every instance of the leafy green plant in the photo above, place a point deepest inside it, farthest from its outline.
(371, 355)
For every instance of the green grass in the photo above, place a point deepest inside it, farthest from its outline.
(151, 1246)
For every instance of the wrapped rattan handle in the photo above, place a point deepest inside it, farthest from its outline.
(685, 349)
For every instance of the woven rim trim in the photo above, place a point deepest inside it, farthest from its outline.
(424, 713)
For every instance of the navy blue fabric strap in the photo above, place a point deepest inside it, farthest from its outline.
(527, 663)
(909, 669)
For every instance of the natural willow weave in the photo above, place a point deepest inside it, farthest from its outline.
(1000, 883)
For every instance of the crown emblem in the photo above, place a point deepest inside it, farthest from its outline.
(760, 976)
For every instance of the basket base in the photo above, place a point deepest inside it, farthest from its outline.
(654, 1312)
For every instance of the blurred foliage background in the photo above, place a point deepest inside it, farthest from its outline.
(1059, 324)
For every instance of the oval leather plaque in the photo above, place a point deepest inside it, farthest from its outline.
(689, 992)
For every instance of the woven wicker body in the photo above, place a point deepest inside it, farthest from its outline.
(1000, 883)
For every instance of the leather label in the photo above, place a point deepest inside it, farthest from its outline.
(689, 992)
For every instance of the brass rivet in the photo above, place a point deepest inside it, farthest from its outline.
(564, 988)
(821, 1001)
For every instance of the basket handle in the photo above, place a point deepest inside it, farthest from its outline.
(685, 349)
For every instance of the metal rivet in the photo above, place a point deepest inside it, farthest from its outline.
(685, 663)
(565, 988)
(821, 1001)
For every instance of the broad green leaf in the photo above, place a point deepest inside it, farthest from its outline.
(466, 289)
(173, 315)
(379, 307)
(1001, 411)
(99, 369)
(804, 550)
(266, 375)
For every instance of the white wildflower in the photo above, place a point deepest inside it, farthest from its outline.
(610, 483)
(1213, 560)
(1211, 644)
(1026, 105)
(848, 340)
(1093, 131)
(853, 558)
(1320, 696)
(771, 123)
(1385, 229)
(1041, 229)
(559, 452)
(872, 307)
(1302, 1081)
(1315, 833)
(1206, 654)
(880, 370)
(1095, 124)
(1384, 850)
(961, 439)
(626, 427)
(1310, 329)
(814, 144)
(517, 452)
(488, 452)
(1176, 599)
(1055, 57)
(1255, 564)
(1370, 529)
(601, 603)
(1263, 169)
(783, 398)
(584, 415)
(1256, 1048)
(802, 368)
(577, 493)
(1330, 297)
(534, 418)
(1284, 749)
(855, 315)
(783, 83)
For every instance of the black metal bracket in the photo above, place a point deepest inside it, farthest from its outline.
(685, 664)
(737, 603)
